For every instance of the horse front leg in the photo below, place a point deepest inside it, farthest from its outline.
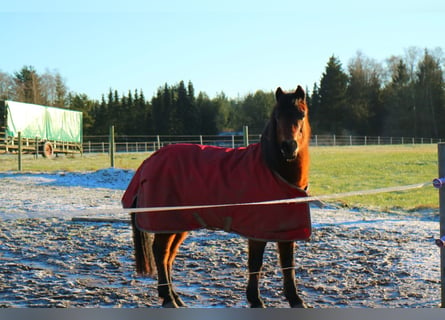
(255, 263)
(286, 252)
(161, 250)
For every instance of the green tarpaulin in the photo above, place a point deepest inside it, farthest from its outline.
(47, 123)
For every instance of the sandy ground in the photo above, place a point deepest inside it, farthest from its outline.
(354, 259)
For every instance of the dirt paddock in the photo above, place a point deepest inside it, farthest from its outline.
(354, 259)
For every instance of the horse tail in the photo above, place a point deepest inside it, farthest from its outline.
(143, 250)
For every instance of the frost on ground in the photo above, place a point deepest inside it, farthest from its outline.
(354, 259)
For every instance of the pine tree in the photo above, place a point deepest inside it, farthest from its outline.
(27, 85)
(60, 90)
(332, 93)
(100, 116)
(430, 100)
(145, 111)
(256, 109)
(398, 103)
(161, 109)
(313, 102)
(80, 102)
(207, 111)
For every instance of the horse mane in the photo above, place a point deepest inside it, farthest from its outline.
(295, 172)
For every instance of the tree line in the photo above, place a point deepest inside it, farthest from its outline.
(404, 96)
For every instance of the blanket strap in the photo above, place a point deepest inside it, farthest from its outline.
(227, 224)
(200, 220)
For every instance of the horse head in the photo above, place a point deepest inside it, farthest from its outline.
(292, 127)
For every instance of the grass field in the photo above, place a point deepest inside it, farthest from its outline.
(333, 169)
(343, 169)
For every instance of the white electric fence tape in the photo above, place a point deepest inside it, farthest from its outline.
(92, 214)
(282, 201)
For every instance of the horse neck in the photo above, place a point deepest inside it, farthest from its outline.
(295, 172)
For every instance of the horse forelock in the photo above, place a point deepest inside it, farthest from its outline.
(302, 106)
(289, 103)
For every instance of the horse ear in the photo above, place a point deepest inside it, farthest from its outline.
(278, 93)
(300, 94)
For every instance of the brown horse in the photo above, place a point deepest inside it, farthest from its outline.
(283, 151)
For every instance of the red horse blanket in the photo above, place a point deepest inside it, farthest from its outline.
(187, 174)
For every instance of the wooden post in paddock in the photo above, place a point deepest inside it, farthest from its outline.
(441, 156)
(245, 136)
(19, 157)
(36, 143)
(112, 145)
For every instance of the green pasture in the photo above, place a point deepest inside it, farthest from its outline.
(342, 169)
(333, 170)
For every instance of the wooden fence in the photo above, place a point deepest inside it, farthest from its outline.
(101, 144)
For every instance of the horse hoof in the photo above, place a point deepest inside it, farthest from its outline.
(179, 302)
(258, 305)
(170, 304)
(300, 305)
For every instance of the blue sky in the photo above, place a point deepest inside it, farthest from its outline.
(236, 46)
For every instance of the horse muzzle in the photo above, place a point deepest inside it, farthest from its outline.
(289, 149)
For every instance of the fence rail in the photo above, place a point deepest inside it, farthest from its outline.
(123, 143)
(333, 140)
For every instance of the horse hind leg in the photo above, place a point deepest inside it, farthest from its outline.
(174, 248)
(286, 253)
(161, 249)
(255, 263)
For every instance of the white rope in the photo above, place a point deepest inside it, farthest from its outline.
(282, 201)
(85, 214)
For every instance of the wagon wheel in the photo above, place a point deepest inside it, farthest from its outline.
(47, 150)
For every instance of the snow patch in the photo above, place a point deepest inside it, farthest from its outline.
(110, 178)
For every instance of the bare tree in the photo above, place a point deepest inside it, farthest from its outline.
(430, 97)
(363, 94)
(6, 86)
(48, 88)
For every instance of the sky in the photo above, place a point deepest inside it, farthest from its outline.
(231, 46)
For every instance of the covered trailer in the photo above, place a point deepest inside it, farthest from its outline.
(45, 130)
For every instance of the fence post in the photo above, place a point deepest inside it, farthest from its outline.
(441, 161)
(19, 158)
(36, 143)
(246, 135)
(112, 146)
